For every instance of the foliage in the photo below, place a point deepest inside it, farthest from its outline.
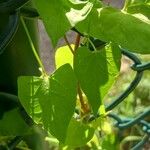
(64, 102)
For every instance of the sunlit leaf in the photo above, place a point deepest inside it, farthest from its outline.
(122, 28)
(78, 134)
(63, 55)
(109, 142)
(50, 100)
(139, 1)
(140, 8)
(59, 16)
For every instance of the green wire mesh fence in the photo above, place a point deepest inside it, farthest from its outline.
(13, 7)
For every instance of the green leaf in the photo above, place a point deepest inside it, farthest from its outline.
(102, 110)
(78, 134)
(139, 1)
(63, 55)
(126, 30)
(12, 124)
(97, 71)
(60, 15)
(140, 8)
(110, 142)
(50, 100)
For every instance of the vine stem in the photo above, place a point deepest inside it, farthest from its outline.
(67, 42)
(83, 105)
(33, 47)
(77, 42)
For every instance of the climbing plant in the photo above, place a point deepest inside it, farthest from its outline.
(69, 103)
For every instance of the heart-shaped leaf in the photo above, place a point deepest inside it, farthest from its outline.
(97, 71)
(50, 100)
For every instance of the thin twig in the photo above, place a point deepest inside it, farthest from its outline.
(67, 42)
(81, 99)
(77, 42)
(83, 105)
